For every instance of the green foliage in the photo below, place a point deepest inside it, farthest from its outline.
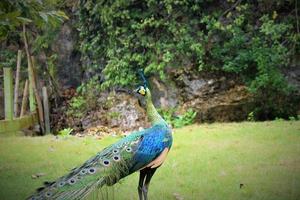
(279, 119)
(77, 106)
(293, 118)
(65, 132)
(186, 119)
(89, 87)
(253, 41)
(42, 20)
(85, 100)
(123, 36)
(250, 117)
(51, 63)
(43, 14)
(113, 115)
(7, 59)
(178, 121)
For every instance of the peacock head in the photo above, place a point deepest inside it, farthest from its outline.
(143, 90)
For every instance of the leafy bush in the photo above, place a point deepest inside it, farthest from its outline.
(86, 98)
(42, 20)
(254, 41)
(65, 132)
(44, 15)
(178, 121)
(250, 117)
(7, 58)
(77, 106)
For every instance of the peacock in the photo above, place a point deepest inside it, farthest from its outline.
(142, 151)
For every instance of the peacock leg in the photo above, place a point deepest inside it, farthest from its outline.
(150, 172)
(143, 173)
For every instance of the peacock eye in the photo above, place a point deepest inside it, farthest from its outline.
(106, 163)
(116, 158)
(48, 194)
(116, 151)
(83, 171)
(71, 181)
(92, 170)
(61, 184)
(128, 149)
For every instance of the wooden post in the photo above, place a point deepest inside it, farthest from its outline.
(46, 110)
(32, 103)
(16, 93)
(37, 96)
(33, 83)
(8, 94)
(24, 99)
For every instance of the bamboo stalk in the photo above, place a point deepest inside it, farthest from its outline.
(38, 98)
(33, 67)
(8, 93)
(24, 99)
(16, 92)
(32, 102)
(46, 110)
(33, 83)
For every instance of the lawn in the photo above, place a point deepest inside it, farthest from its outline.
(219, 161)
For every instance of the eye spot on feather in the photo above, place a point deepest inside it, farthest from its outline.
(83, 172)
(92, 170)
(72, 181)
(116, 158)
(48, 194)
(61, 184)
(115, 151)
(128, 149)
(106, 163)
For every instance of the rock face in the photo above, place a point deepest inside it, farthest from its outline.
(68, 56)
(164, 95)
(124, 114)
(117, 111)
(124, 111)
(215, 97)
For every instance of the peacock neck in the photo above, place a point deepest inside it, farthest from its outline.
(153, 116)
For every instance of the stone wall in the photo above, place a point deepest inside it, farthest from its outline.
(215, 96)
(66, 46)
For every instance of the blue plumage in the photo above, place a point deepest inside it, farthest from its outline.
(152, 144)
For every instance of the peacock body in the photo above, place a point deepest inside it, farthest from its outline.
(142, 151)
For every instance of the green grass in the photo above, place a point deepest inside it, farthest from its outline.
(206, 162)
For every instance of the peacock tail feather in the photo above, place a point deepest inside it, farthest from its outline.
(106, 168)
